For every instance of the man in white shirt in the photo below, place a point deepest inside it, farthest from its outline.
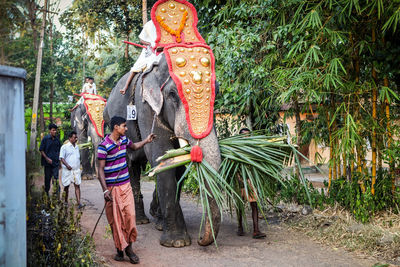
(71, 163)
(89, 86)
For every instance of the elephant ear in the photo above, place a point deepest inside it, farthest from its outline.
(151, 91)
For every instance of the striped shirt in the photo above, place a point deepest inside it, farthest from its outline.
(116, 169)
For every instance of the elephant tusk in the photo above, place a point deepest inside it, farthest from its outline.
(182, 142)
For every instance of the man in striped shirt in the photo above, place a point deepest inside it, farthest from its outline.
(117, 190)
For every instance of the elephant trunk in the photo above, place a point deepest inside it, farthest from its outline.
(211, 152)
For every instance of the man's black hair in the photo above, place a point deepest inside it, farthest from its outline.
(52, 126)
(244, 130)
(71, 134)
(116, 120)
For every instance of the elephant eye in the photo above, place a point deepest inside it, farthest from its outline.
(172, 94)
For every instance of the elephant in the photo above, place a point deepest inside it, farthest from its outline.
(152, 90)
(84, 128)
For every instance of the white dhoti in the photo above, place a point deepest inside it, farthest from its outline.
(70, 176)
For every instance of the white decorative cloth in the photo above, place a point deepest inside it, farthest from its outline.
(148, 56)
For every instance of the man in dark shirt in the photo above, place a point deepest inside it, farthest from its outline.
(50, 150)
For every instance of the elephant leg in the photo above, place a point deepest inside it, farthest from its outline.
(134, 173)
(174, 227)
(155, 211)
(85, 155)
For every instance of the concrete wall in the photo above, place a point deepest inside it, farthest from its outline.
(12, 168)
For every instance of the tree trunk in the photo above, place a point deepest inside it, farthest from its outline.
(3, 58)
(84, 57)
(31, 4)
(127, 47)
(298, 130)
(344, 164)
(52, 72)
(37, 85)
(374, 117)
(144, 11)
(330, 149)
(41, 120)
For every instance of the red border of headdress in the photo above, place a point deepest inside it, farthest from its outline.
(157, 25)
(180, 91)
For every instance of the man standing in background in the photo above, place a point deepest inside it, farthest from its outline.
(50, 150)
(71, 167)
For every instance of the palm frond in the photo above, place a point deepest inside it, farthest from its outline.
(254, 163)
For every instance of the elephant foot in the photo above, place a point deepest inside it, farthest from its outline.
(175, 240)
(142, 220)
(159, 224)
(141, 217)
(87, 176)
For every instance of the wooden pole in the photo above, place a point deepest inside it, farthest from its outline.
(144, 11)
(37, 84)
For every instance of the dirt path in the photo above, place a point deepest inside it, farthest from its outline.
(282, 247)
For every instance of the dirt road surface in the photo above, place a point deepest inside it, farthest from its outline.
(282, 247)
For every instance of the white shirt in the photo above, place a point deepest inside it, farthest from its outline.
(89, 88)
(71, 155)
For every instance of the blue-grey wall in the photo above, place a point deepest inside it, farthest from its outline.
(12, 168)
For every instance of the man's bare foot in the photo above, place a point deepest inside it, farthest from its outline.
(122, 91)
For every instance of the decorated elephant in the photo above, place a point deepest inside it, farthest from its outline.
(155, 90)
(174, 99)
(87, 121)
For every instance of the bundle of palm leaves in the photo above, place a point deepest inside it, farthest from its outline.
(88, 145)
(251, 164)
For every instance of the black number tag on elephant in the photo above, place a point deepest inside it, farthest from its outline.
(131, 113)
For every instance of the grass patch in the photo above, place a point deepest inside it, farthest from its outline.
(337, 227)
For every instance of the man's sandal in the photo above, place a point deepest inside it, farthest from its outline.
(133, 258)
(259, 235)
(119, 256)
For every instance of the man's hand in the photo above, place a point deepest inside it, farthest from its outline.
(107, 196)
(49, 161)
(69, 167)
(150, 138)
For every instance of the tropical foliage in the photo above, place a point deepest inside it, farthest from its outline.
(336, 60)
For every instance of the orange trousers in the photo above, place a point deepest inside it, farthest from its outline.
(121, 215)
